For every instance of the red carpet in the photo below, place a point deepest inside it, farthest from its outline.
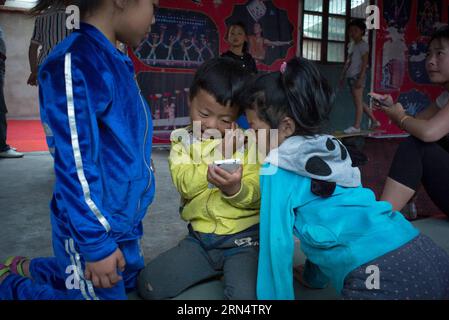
(26, 135)
(29, 136)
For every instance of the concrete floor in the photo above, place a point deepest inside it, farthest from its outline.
(26, 188)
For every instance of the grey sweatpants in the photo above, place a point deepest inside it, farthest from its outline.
(201, 257)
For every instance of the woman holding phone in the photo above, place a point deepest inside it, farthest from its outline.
(423, 158)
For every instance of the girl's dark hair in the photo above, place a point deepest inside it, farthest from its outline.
(359, 23)
(222, 77)
(241, 25)
(301, 93)
(85, 6)
(441, 33)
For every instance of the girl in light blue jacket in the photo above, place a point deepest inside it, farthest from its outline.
(311, 190)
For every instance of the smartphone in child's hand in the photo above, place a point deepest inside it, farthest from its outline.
(229, 165)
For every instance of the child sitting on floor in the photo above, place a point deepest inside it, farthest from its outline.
(224, 220)
(363, 247)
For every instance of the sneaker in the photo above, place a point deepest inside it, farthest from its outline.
(10, 153)
(410, 211)
(351, 130)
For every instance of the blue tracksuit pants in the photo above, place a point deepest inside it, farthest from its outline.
(62, 277)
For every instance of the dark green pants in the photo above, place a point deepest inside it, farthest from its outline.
(200, 257)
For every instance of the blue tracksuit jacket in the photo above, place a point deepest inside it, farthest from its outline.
(102, 131)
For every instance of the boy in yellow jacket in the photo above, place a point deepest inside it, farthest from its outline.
(222, 208)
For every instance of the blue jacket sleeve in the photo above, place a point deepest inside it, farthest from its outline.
(72, 94)
(275, 272)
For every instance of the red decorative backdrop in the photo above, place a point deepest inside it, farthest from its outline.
(401, 45)
(165, 66)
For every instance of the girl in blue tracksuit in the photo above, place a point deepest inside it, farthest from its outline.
(104, 182)
(310, 190)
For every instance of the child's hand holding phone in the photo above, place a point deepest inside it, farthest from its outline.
(226, 175)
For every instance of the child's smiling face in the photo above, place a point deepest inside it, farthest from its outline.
(437, 63)
(212, 115)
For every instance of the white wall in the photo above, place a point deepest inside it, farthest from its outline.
(21, 99)
(20, 3)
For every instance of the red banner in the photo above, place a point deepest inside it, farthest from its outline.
(400, 55)
(189, 32)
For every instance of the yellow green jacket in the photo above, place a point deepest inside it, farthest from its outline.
(209, 210)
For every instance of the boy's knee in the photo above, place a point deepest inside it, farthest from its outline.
(240, 293)
(149, 288)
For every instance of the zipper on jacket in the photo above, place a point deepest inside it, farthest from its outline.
(144, 145)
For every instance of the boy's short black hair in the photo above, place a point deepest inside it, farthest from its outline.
(221, 77)
(359, 23)
(441, 33)
(301, 93)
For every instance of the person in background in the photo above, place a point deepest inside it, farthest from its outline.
(354, 73)
(423, 158)
(237, 37)
(5, 150)
(49, 30)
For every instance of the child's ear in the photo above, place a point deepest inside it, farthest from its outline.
(287, 127)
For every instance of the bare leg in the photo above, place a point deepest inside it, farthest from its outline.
(397, 194)
(369, 112)
(358, 102)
